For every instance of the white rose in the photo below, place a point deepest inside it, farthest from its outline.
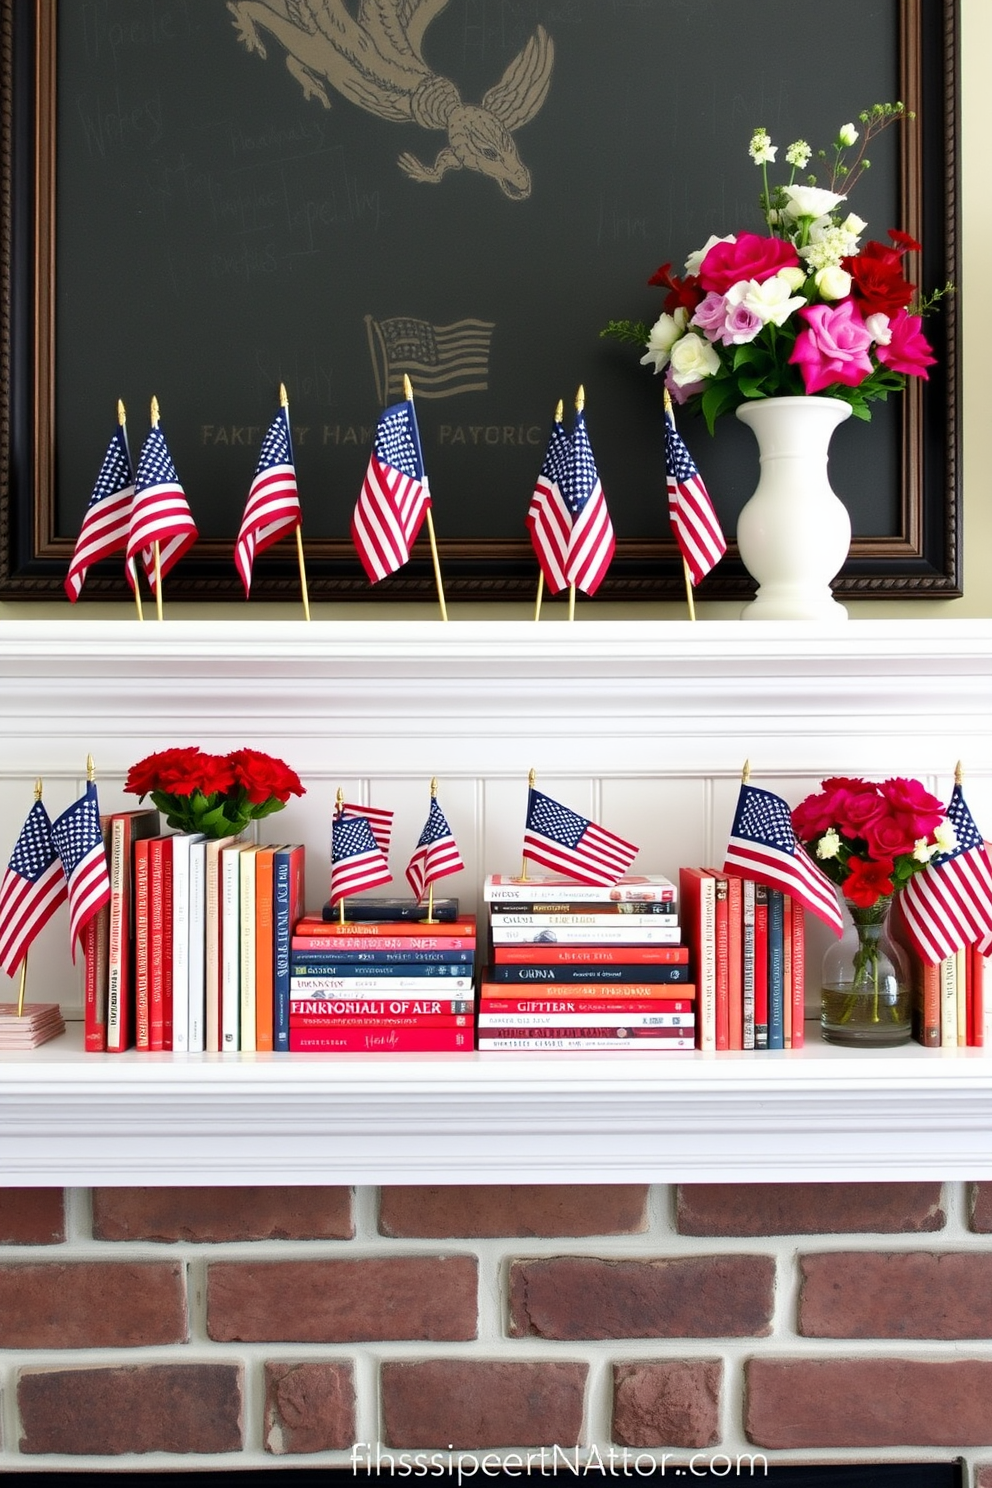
(794, 278)
(693, 359)
(945, 836)
(847, 134)
(853, 224)
(664, 333)
(834, 283)
(828, 845)
(769, 301)
(878, 328)
(810, 201)
(694, 260)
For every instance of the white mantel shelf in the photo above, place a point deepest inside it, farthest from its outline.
(637, 711)
(820, 1113)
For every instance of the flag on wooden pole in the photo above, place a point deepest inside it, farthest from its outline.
(33, 887)
(79, 842)
(162, 527)
(694, 521)
(436, 854)
(272, 510)
(549, 520)
(107, 517)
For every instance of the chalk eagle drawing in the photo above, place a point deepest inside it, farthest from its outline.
(376, 60)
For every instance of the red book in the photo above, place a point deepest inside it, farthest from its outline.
(697, 892)
(264, 949)
(628, 1034)
(798, 975)
(722, 946)
(96, 961)
(383, 943)
(142, 945)
(382, 1007)
(426, 1020)
(613, 955)
(735, 959)
(126, 829)
(575, 1005)
(403, 930)
(385, 1041)
(787, 971)
(760, 966)
(978, 969)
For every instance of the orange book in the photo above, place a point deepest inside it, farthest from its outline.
(798, 975)
(697, 896)
(264, 949)
(126, 829)
(787, 970)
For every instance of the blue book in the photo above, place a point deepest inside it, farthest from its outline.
(302, 965)
(385, 958)
(287, 894)
(555, 974)
(776, 969)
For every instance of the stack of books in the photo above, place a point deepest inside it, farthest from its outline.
(747, 947)
(192, 952)
(573, 967)
(949, 1001)
(37, 1023)
(384, 980)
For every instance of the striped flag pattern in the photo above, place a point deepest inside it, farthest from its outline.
(591, 543)
(272, 510)
(436, 854)
(763, 847)
(357, 861)
(379, 819)
(441, 360)
(79, 843)
(948, 904)
(160, 512)
(567, 843)
(33, 887)
(549, 520)
(394, 496)
(107, 517)
(694, 522)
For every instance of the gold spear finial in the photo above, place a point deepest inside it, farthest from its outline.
(121, 415)
(407, 388)
(155, 412)
(90, 769)
(433, 787)
(559, 412)
(283, 396)
(580, 399)
(668, 401)
(958, 773)
(746, 772)
(37, 789)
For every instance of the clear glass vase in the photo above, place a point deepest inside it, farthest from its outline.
(865, 986)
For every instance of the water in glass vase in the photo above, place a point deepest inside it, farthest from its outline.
(865, 990)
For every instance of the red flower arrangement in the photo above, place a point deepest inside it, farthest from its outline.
(217, 794)
(871, 837)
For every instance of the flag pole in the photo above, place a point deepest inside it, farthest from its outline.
(559, 415)
(122, 421)
(23, 985)
(339, 807)
(408, 395)
(580, 403)
(531, 777)
(685, 562)
(157, 547)
(304, 592)
(430, 920)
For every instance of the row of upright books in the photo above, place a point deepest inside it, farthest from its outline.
(192, 952)
(572, 967)
(949, 1000)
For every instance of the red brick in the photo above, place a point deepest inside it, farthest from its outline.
(808, 1208)
(141, 1408)
(572, 1297)
(214, 1215)
(667, 1403)
(983, 1476)
(897, 1294)
(981, 1207)
(515, 1210)
(309, 1407)
(355, 1301)
(31, 1216)
(869, 1402)
(90, 1304)
(482, 1403)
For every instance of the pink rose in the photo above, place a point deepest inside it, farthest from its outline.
(711, 316)
(833, 348)
(742, 325)
(683, 394)
(907, 349)
(749, 257)
(860, 809)
(889, 835)
(912, 801)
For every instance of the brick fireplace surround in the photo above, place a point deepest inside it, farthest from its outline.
(259, 1263)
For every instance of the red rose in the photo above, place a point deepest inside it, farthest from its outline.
(261, 776)
(868, 881)
(750, 257)
(877, 280)
(904, 242)
(889, 835)
(176, 771)
(860, 809)
(684, 293)
(915, 803)
(215, 774)
(813, 816)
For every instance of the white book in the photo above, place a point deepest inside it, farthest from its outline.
(588, 1020)
(182, 842)
(949, 1002)
(652, 887)
(320, 986)
(230, 960)
(621, 934)
(196, 1003)
(247, 917)
(605, 1045)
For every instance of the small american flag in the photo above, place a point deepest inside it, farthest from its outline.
(763, 847)
(436, 854)
(694, 522)
(357, 861)
(571, 844)
(79, 843)
(272, 510)
(591, 542)
(948, 904)
(394, 497)
(378, 818)
(549, 520)
(33, 888)
(160, 512)
(107, 517)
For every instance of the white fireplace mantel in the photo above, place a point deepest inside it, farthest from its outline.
(651, 721)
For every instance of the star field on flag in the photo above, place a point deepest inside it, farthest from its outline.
(79, 843)
(763, 847)
(33, 887)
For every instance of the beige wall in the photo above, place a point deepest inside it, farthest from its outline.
(976, 223)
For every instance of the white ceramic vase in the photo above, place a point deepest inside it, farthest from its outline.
(794, 533)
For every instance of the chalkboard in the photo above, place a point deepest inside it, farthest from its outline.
(237, 195)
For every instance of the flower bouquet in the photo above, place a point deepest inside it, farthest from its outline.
(804, 308)
(215, 794)
(870, 838)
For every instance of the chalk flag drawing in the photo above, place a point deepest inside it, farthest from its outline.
(440, 360)
(375, 60)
